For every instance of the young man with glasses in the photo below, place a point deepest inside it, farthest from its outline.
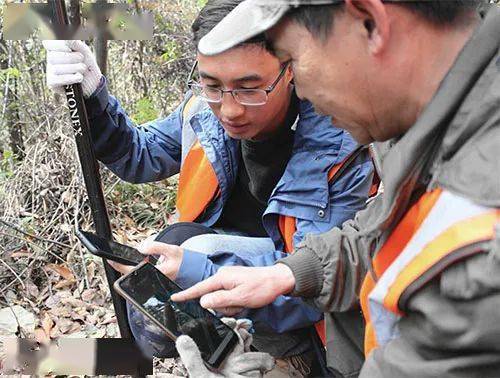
(424, 257)
(257, 171)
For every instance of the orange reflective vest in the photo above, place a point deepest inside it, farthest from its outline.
(437, 231)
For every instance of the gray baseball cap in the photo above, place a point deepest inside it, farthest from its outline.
(248, 19)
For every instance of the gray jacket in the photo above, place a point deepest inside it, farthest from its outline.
(452, 326)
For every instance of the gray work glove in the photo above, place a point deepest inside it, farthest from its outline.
(239, 363)
(71, 62)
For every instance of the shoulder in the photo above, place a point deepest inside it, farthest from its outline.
(192, 106)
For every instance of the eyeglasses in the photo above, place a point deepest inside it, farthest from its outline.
(247, 97)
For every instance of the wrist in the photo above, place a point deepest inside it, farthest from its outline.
(283, 277)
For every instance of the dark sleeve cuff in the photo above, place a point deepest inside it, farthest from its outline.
(307, 270)
(97, 103)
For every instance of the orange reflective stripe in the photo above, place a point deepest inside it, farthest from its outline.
(321, 331)
(198, 184)
(370, 338)
(405, 230)
(396, 242)
(287, 227)
(375, 185)
(461, 234)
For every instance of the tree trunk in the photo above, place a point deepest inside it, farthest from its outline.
(14, 125)
(74, 12)
(101, 47)
(143, 83)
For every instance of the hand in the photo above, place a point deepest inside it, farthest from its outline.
(169, 262)
(71, 62)
(235, 287)
(239, 363)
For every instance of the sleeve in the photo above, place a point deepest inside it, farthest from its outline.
(136, 154)
(322, 261)
(284, 314)
(325, 258)
(451, 327)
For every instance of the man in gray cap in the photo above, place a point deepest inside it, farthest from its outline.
(424, 257)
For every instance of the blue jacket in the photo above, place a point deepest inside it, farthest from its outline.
(152, 152)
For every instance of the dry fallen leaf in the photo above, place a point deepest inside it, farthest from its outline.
(88, 295)
(55, 332)
(61, 312)
(47, 323)
(62, 270)
(108, 319)
(41, 336)
(32, 289)
(64, 325)
(64, 283)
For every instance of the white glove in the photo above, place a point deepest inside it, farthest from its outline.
(239, 363)
(71, 62)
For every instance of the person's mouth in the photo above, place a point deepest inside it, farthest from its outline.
(234, 126)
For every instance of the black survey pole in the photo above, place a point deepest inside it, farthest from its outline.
(91, 175)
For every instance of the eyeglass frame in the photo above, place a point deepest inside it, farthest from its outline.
(190, 82)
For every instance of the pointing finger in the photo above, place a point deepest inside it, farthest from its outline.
(201, 288)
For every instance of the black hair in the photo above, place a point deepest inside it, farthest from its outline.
(212, 13)
(442, 12)
(318, 19)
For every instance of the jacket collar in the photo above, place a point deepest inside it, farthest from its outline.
(317, 146)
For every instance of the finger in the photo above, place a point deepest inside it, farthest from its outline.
(123, 269)
(61, 69)
(230, 322)
(60, 57)
(228, 311)
(222, 299)
(209, 285)
(250, 361)
(155, 248)
(245, 324)
(190, 355)
(55, 45)
(60, 80)
(247, 339)
(77, 45)
(147, 241)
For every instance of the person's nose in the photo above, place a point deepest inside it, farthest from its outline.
(230, 108)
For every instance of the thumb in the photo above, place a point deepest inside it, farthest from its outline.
(156, 248)
(191, 357)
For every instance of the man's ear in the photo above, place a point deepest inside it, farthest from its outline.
(375, 20)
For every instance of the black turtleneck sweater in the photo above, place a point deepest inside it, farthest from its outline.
(261, 166)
